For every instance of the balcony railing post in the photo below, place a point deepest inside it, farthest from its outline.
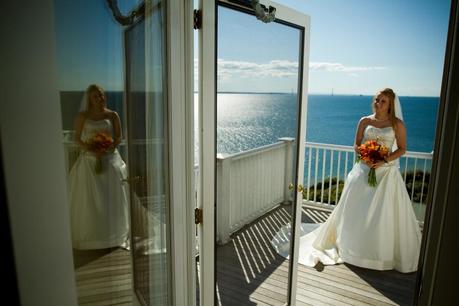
(288, 168)
(223, 198)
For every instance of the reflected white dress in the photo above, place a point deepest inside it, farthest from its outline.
(98, 201)
(371, 227)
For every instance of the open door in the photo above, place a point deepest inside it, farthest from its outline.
(161, 200)
(243, 190)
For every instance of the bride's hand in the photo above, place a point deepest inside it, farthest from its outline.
(377, 164)
(369, 164)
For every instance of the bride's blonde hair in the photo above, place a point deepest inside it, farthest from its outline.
(389, 93)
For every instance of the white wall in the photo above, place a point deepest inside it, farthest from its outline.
(30, 127)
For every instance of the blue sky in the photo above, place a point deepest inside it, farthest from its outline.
(356, 47)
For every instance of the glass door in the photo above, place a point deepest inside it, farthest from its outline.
(147, 117)
(259, 103)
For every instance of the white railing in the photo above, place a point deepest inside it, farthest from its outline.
(251, 183)
(328, 165)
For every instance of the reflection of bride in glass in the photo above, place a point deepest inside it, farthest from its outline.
(371, 226)
(98, 196)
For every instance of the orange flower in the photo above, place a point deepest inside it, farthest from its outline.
(372, 151)
(101, 142)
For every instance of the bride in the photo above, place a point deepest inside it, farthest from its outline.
(98, 196)
(371, 227)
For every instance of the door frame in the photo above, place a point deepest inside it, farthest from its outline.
(207, 148)
(180, 69)
(178, 91)
(208, 116)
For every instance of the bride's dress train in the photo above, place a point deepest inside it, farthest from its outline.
(98, 201)
(370, 227)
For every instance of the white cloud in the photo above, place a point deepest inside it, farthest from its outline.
(241, 69)
(332, 67)
(280, 68)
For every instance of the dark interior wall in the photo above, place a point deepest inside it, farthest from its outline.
(440, 271)
(8, 265)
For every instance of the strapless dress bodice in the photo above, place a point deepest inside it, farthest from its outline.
(385, 136)
(92, 127)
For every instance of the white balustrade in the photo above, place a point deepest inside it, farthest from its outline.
(251, 183)
(336, 162)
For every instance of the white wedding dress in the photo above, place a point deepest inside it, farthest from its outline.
(98, 201)
(371, 227)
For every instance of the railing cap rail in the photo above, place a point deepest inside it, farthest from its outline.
(247, 153)
(329, 146)
(411, 154)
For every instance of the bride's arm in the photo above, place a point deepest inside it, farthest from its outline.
(359, 133)
(116, 129)
(400, 136)
(79, 121)
(359, 136)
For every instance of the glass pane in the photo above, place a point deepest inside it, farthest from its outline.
(257, 126)
(147, 119)
(118, 197)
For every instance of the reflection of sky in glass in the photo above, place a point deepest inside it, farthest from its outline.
(254, 56)
(89, 44)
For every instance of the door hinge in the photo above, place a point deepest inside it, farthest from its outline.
(197, 19)
(197, 215)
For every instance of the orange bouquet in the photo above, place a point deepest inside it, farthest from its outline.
(100, 143)
(372, 151)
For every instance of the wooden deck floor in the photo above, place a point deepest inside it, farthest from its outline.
(103, 277)
(250, 272)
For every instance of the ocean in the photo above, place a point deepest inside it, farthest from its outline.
(246, 121)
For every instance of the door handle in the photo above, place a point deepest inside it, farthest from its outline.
(300, 187)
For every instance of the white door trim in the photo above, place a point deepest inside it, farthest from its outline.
(207, 72)
(181, 149)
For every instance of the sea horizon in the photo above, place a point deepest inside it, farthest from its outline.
(331, 118)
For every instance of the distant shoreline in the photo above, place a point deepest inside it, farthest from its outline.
(272, 93)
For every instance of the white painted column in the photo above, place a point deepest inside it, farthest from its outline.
(223, 198)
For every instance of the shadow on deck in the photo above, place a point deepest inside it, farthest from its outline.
(250, 272)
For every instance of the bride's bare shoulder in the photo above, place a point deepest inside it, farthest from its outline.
(399, 123)
(365, 120)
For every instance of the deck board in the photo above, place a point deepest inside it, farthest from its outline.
(250, 272)
(252, 265)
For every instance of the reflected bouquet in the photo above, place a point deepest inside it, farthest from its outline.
(372, 151)
(100, 143)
